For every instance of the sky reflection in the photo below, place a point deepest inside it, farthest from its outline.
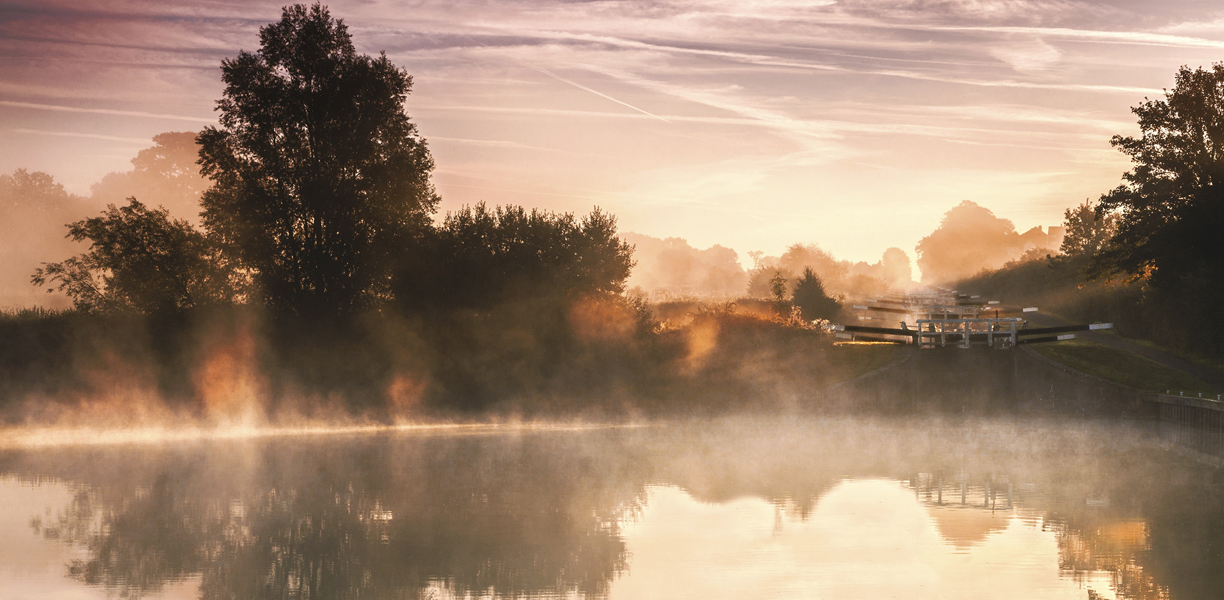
(783, 507)
(865, 539)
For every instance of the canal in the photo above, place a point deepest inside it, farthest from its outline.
(785, 506)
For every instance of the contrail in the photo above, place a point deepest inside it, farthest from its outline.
(576, 84)
(103, 111)
(92, 136)
(583, 87)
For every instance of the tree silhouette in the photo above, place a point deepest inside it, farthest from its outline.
(481, 256)
(139, 259)
(777, 287)
(33, 210)
(168, 171)
(970, 238)
(811, 298)
(319, 178)
(1087, 233)
(673, 265)
(1171, 205)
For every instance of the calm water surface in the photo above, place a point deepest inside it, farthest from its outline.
(785, 508)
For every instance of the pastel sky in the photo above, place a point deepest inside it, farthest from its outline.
(751, 123)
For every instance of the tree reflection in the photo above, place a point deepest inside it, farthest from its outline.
(476, 517)
(538, 514)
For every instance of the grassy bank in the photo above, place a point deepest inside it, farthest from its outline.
(1124, 367)
(543, 358)
(852, 359)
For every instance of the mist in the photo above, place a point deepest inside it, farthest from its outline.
(971, 239)
(35, 212)
(854, 280)
(672, 266)
(322, 348)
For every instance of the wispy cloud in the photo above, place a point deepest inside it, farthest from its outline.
(492, 143)
(1143, 38)
(578, 85)
(103, 111)
(884, 106)
(773, 61)
(92, 136)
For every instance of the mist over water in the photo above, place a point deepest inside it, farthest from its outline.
(286, 374)
(806, 506)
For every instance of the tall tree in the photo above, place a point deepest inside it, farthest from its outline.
(1170, 205)
(319, 178)
(168, 171)
(969, 239)
(1087, 233)
(811, 298)
(33, 210)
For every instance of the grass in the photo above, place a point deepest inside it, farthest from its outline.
(1211, 362)
(851, 359)
(28, 313)
(1124, 367)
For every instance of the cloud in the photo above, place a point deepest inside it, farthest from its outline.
(92, 136)
(492, 143)
(1027, 55)
(103, 111)
(1142, 38)
(763, 98)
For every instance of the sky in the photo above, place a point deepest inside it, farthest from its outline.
(753, 124)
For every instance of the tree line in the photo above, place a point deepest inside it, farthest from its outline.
(317, 280)
(320, 204)
(1148, 253)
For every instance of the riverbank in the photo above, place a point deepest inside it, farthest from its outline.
(599, 358)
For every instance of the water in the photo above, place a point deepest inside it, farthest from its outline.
(780, 507)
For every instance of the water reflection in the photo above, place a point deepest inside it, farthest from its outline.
(821, 507)
(865, 538)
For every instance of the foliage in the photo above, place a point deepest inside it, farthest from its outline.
(895, 268)
(672, 266)
(777, 286)
(35, 191)
(479, 257)
(838, 276)
(790, 265)
(1087, 233)
(168, 171)
(969, 239)
(1170, 206)
(319, 178)
(33, 210)
(139, 259)
(1123, 367)
(812, 300)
